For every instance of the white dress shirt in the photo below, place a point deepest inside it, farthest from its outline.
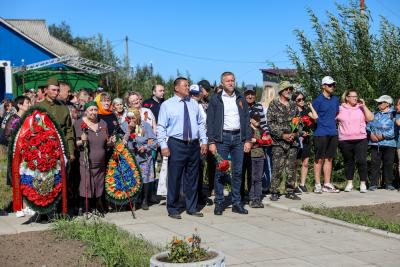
(231, 112)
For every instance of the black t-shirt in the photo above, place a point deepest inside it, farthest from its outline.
(153, 105)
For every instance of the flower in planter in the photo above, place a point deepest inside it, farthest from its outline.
(186, 250)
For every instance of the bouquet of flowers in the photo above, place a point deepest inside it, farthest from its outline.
(186, 250)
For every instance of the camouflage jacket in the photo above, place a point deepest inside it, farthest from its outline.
(279, 117)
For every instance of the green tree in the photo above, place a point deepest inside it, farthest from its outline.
(345, 49)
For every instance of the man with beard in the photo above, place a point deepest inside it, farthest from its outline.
(280, 113)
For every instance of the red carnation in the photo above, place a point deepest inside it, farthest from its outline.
(132, 135)
(84, 126)
(306, 120)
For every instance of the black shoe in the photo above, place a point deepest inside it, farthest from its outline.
(297, 191)
(209, 201)
(253, 204)
(3, 212)
(154, 200)
(175, 216)
(239, 209)
(274, 197)
(219, 209)
(260, 204)
(292, 196)
(145, 206)
(196, 214)
(303, 188)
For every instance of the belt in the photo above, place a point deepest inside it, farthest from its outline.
(232, 131)
(189, 142)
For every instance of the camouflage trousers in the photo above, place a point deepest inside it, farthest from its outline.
(283, 161)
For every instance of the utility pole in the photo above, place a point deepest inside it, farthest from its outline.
(127, 56)
(361, 6)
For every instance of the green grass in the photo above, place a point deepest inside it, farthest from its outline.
(359, 218)
(116, 247)
(5, 190)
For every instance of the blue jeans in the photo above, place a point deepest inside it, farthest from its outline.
(231, 145)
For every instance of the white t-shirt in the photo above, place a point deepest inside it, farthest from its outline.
(231, 112)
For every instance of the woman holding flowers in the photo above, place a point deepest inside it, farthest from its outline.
(352, 118)
(142, 143)
(307, 117)
(93, 134)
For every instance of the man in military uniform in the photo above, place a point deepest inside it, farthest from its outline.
(60, 113)
(280, 113)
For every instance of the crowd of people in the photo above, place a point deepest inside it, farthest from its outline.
(201, 125)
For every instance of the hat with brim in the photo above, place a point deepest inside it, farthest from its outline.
(284, 84)
(385, 98)
(194, 89)
(327, 80)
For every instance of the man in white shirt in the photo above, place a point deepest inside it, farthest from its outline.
(229, 133)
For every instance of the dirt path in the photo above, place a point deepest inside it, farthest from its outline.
(43, 249)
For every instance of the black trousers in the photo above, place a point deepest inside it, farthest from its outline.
(355, 153)
(382, 156)
(185, 157)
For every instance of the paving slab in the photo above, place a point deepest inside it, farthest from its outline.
(272, 236)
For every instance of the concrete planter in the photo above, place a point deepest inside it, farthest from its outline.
(217, 261)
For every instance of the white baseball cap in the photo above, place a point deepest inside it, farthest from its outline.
(327, 80)
(194, 89)
(385, 98)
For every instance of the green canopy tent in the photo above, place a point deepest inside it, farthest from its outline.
(35, 78)
(78, 72)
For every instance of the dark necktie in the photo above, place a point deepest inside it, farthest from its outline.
(187, 129)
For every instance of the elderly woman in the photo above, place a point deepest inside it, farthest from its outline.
(106, 113)
(119, 109)
(352, 118)
(93, 132)
(142, 142)
(382, 143)
(134, 101)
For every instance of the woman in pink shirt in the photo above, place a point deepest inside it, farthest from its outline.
(352, 118)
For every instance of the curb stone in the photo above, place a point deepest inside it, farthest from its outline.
(336, 221)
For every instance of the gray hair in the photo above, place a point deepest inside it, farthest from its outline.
(105, 96)
(117, 101)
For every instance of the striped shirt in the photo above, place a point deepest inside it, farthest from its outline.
(258, 109)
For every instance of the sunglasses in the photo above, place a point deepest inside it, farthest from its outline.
(331, 85)
(288, 89)
(299, 99)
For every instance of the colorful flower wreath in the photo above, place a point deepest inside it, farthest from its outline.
(123, 177)
(38, 162)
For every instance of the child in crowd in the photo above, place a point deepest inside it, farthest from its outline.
(257, 161)
(142, 142)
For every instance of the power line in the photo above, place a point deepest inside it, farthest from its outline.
(199, 57)
(388, 9)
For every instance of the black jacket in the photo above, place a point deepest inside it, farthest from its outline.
(215, 118)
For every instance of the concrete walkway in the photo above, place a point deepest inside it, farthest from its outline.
(271, 236)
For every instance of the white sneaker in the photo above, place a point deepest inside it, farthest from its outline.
(28, 211)
(349, 187)
(20, 214)
(318, 189)
(363, 187)
(330, 188)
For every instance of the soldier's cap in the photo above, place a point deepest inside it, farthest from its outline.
(284, 84)
(205, 84)
(52, 81)
(249, 89)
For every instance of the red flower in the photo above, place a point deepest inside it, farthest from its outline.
(84, 126)
(34, 141)
(132, 135)
(37, 128)
(127, 119)
(306, 120)
(147, 105)
(223, 165)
